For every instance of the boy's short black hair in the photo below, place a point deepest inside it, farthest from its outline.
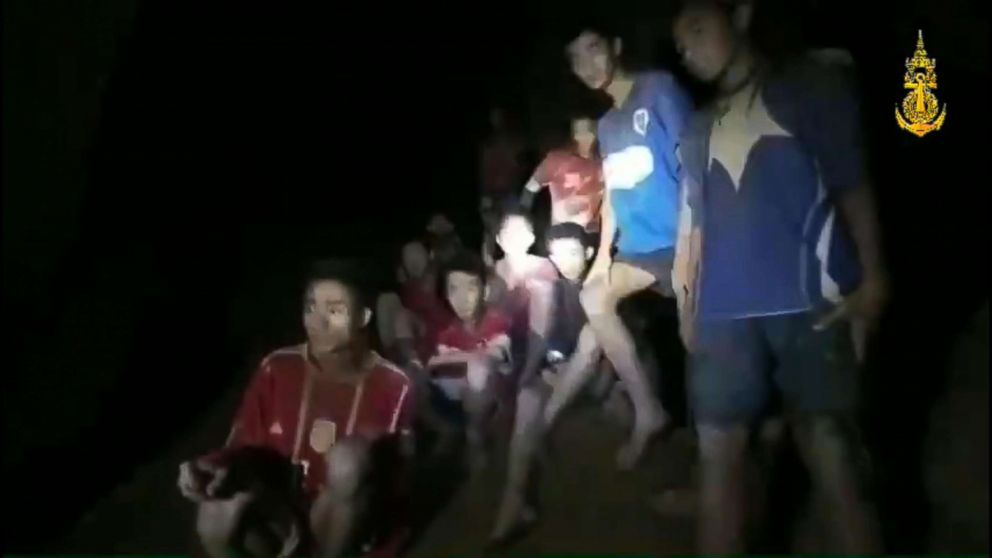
(347, 272)
(567, 230)
(601, 26)
(515, 212)
(462, 262)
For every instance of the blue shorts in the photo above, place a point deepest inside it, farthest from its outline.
(739, 365)
(658, 263)
(449, 409)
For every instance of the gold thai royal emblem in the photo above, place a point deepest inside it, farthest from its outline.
(919, 113)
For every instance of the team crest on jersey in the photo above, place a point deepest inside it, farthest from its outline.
(323, 434)
(641, 121)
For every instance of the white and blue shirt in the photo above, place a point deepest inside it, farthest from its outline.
(640, 169)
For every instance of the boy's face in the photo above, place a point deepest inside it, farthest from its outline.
(516, 236)
(569, 256)
(415, 259)
(329, 316)
(705, 40)
(592, 59)
(583, 134)
(465, 293)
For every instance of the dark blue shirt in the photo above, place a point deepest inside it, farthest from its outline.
(764, 173)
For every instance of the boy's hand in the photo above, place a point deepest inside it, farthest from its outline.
(866, 303)
(200, 480)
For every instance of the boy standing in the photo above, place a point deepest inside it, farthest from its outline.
(766, 268)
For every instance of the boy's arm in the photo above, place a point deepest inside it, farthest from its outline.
(249, 428)
(674, 106)
(608, 229)
(538, 181)
(833, 132)
(531, 190)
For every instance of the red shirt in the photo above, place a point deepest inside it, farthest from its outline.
(492, 331)
(576, 186)
(430, 311)
(379, 405)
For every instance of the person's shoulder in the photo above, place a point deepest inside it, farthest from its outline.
(389, 373)
(284, 359)
(545, 269)
(558, 155)
(659, 82)
(818, 72)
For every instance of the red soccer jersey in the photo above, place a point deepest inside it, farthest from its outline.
(576, 186)
(492, 331)
(431, 312)
(378, 405)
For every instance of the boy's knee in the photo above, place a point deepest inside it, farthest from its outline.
(594, 299)
(722, 444)
(477, 373)
(348, 463)
(216, 521)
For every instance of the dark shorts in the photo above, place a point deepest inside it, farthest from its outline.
(658, 263)
(450, 409)
(739, 366)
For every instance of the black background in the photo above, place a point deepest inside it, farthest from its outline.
(170, 168)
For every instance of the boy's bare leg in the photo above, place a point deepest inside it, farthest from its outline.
(335, 515)
(722, 451)
(600, 299)
(248, 524)
(573, 376)
(478, 400)
(528, 432)
(405, 344)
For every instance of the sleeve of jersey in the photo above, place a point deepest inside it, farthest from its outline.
(249, 422)
(543, 173)
(673, 107)
(832, 130)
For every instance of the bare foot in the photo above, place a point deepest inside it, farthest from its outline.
(631, 453)
(515, 520)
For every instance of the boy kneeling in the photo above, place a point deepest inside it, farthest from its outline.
(317, 454)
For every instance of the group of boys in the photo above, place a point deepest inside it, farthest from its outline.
(752, 211)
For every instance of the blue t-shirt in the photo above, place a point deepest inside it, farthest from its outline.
(762, 182)
(640, 169)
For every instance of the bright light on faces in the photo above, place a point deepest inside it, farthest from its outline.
(415, 258)
(465, 293)
(583, 134)
(516, 236)
(328, 317)
(592, 59)
(569, 256)
(704, 39)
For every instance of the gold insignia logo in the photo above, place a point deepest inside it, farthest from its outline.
(919, 114)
